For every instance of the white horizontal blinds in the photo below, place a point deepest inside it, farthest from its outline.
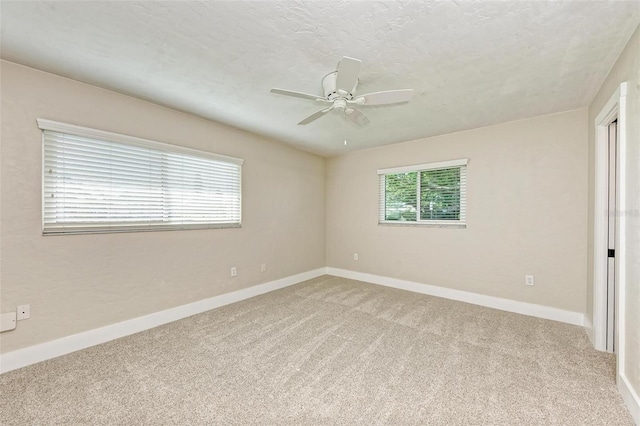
(463, 194)
(425, 193)
(96, 185)
(440, 197)
(93, 184)
(401, 197)
(199, 191)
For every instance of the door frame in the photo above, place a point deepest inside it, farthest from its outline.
(614, 109)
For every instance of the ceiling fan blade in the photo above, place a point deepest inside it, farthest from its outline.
(296, 94)
(356, 117)
(385, 98)
(348, 71)
(316, 115)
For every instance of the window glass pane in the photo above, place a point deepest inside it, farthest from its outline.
(401, 196)
(440, 194)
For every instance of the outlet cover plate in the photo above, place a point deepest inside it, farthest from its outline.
(24, 312)
(7, 321)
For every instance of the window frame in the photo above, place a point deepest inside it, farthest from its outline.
(165, 148)
(418, 168)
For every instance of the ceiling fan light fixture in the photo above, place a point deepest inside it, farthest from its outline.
(340, 104)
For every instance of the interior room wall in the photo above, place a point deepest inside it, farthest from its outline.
(526, 214)
(627, 68)
(81, 282)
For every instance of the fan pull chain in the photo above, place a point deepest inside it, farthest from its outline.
(345, 131)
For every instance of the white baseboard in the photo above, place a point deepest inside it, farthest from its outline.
(55, 348)
(524, 308)
(630, 397)
(41, 352)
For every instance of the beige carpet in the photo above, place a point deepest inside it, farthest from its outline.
(328, 351)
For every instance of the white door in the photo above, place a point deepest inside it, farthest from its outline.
(611, 261)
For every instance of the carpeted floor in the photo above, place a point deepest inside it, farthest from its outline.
(328, 351)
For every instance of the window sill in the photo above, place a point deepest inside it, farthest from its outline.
(458, 225)
(121, 229)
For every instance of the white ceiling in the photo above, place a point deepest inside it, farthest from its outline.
(471, 63)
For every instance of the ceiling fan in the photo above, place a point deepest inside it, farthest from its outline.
(339, 89)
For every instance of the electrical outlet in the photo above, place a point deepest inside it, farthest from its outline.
(355, 256)
(234, 271)
(528, 280)
(24, 312)
(263, 267)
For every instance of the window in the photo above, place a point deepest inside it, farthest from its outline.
(426, 194)
(95, 181)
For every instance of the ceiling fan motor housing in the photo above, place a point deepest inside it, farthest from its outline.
(329, 88)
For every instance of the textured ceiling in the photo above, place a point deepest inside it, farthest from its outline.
(471, 63)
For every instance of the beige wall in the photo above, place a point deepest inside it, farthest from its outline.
(527, 198)
(627, 68)
(80, 282)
